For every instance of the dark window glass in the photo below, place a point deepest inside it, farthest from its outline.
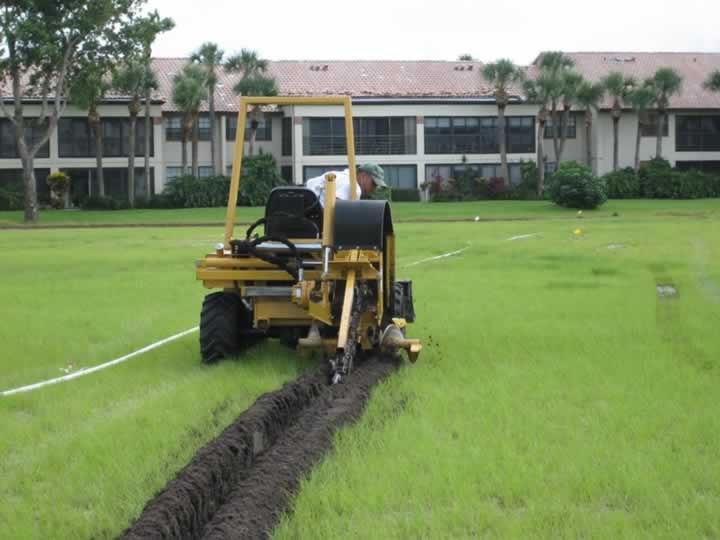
(173, 128)
(264, 131)
(33, 134)
(75, 138)
(203, 126)
(324, 136)
(649, 127)
(401, 176)
(287, 129)
(697, 133)
(286, 173)
(488, 136)
(384, 135)
(116, 141)
(571, 128)
(520, 134)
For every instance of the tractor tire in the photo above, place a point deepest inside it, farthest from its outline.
(223, 321)
(403, 301)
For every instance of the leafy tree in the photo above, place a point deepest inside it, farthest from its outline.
(466, 58)
(210, 56)
(134, 78)
(88, 89)
(641, 98)
(617, 87)
(189, 92)
(555, 66)
(713, 81)
(42, 44)
(254, 82)
(589, 96)
(502, 75)
(667, 83)
(539, 91)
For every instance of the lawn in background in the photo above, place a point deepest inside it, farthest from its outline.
(557, 395)
(485, 210)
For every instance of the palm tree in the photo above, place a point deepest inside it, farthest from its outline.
(210, 56)
(88, 90)
(466, 58)
(589, 96)
(133, 79)
(502, 75)
(642, 99)
(667, 83)
(189, 91)
(617, 86)
(150, 83)
(713, 81)
(554, 65)
(571, 81)
(539, 91)
(254, 82)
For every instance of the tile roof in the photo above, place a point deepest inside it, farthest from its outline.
(694, 68)
(389, 79)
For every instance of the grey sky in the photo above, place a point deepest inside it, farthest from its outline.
(437, 29)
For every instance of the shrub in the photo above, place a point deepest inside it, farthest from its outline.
(530, 176)
(11, 194)
(59, 184)
(404, 195)
(656, 179)
(190, 192)
(574, 186)
(102, 203)
(622, 184)
(260, 175)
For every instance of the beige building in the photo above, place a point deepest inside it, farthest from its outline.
(420, 120)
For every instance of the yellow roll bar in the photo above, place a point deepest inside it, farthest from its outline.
(245, 101)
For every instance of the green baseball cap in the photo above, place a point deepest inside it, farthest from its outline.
(375, 171)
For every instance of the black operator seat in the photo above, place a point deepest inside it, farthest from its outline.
(293, 212)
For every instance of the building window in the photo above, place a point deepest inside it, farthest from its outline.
(287, 129)
(173, 172)
(571, 128)
(520, 134)
(203, 126)
(324, 136)
(477, 135)
(173, 128)
(286, 173)
(264, 130)
(697, 133)
(401, 176)
(384, 135)
(649, 127)
(313, 171)
(11, 182)
(205, 172)
(8, 148)
(444, 173)
(116, 141)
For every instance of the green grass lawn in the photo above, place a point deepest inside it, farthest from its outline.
(557, 395)
(485, 210)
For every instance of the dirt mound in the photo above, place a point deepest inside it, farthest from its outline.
(239, 485)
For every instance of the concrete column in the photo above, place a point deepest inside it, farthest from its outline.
(297, 149)
(420, 152)
(157, 160)
(222, 150)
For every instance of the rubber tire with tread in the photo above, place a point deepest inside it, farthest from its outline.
(222, 320)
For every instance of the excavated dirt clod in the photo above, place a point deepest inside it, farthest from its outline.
(239, 485)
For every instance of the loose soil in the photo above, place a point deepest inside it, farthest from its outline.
(239, 485)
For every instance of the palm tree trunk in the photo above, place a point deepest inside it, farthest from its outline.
(563, 132)
(97, 128)
(660, 126)
(131, 159)
(616, 142)
(502, 140)
(195, 136)
(214, 143)
(183, 145)
(638, 137)
(540, 158)
(588, 138)
(556, 143)
(148, 132)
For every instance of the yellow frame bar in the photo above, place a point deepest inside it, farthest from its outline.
(239, 150)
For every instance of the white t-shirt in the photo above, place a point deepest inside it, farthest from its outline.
(342, 186)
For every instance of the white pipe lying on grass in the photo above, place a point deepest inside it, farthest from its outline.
(87, 371)
(444, 255)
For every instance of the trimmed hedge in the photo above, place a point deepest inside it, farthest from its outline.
(658, 180)
(404, 195)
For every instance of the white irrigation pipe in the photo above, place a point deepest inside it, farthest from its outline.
(88, 371)
(443, 256)
(523, 236)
